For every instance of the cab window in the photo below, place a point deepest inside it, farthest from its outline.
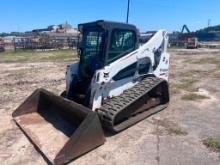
(122, 42)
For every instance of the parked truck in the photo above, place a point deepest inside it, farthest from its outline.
(192, 43)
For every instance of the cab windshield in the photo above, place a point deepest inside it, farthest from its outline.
(91, 51)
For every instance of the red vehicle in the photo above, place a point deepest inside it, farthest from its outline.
(192, 43)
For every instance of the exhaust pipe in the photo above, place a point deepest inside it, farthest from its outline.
(60, 129)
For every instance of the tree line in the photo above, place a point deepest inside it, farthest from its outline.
(18, 34)
(210, 29)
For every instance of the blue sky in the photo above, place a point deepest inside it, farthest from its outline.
(24, 15)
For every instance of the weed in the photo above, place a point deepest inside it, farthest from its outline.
(213, 143)
(193, 96)
(173, 90)
(172, 128)
(177, 131)
(215, 61)
(186, 83)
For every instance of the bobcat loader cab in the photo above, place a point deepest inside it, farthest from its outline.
(102, 43)
(115, 83)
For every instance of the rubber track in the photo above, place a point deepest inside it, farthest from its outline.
(110, 109)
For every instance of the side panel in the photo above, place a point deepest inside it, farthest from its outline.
(71, 70)
(103, 84)
(162, 70)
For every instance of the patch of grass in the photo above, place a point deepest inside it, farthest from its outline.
(173, 90)
(188, 80)
(214, 72)
(172, 75)
(212, 142)
(195, 73)
(215, 61)
(186, 83)
(177, 131)
(203, 61)
(171, 128)
(193, 96)
(11, 56)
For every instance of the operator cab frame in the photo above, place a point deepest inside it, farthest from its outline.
(103, 42)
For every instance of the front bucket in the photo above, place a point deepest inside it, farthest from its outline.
(62, 130)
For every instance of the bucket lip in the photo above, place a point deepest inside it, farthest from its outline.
(41, 91)
(76, 137)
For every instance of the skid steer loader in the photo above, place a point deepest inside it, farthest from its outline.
(114, 84)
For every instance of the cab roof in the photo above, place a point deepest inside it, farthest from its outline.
(108, 25)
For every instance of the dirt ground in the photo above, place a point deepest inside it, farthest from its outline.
(172, 137)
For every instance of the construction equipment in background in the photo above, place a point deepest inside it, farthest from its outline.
(115, 83)
(184, 36)
(180, 39)
(2, 45)
(192, 43)
(185, 28)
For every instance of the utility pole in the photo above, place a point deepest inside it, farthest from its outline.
(128, 10)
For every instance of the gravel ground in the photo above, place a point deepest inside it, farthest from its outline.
(172, 137)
